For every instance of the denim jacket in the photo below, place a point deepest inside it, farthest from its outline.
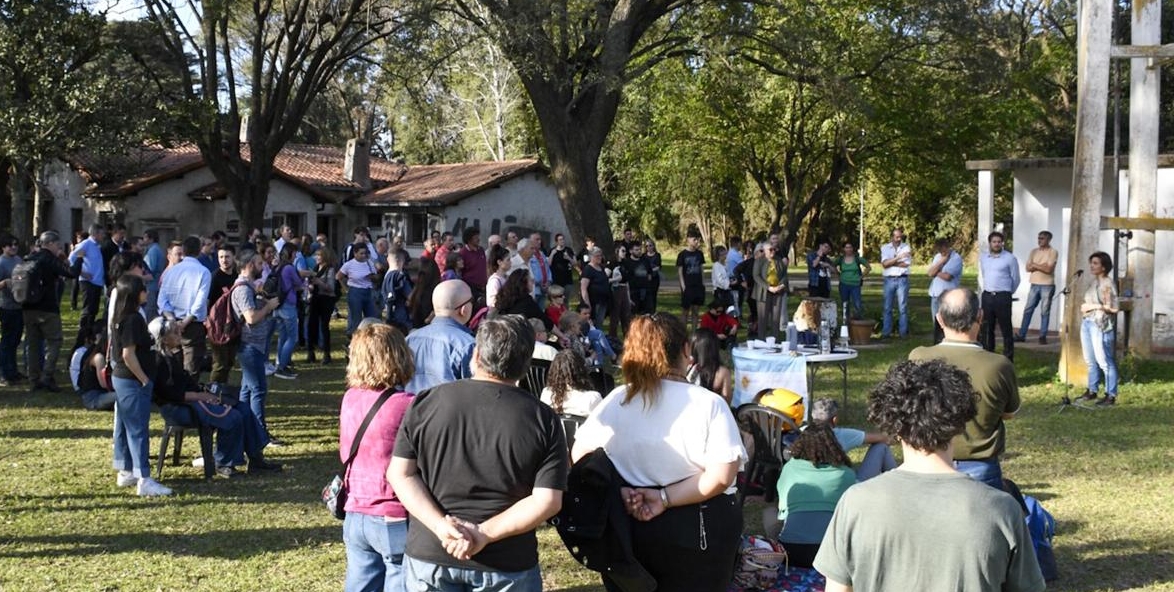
(443, 350)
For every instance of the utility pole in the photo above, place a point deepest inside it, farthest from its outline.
(1092, 96)
(1144, 103)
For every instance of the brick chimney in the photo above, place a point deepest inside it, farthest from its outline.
(356, 166)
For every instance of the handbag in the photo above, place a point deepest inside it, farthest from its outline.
(335, 493)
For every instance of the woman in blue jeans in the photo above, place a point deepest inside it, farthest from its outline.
(134, 365)
(359, 276)
(1098, 330)
(376, 526)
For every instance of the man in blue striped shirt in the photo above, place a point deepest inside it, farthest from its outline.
(183, 296)
(1000, 279)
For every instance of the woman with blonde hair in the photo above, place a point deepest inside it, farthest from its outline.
(678, 446)
(376, 528)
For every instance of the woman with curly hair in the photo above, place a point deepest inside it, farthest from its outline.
(811, 483)
(376, 526)
(678, 446)
(568, 386)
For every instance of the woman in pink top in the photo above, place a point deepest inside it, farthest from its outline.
(376, 526)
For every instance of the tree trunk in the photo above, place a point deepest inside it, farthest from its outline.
(249, 199)
(6, 197)
(22, 188)
(574, 169)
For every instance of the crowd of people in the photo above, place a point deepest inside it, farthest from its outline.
(456, 465)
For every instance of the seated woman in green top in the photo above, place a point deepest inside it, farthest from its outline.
(852, 269)
(809, 487)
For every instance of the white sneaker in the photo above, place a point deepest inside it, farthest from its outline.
(198, 462)
(149, 487)
(126, 479)
(270, 369)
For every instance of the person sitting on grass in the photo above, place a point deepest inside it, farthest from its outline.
(925, 525)
(568, 386)
(595, 337)
(84, 369)
(721, 322)
(809, 486)
(879, 457)
(176, 392)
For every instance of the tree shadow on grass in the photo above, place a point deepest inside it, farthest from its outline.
(220, 544)
(1119, 564)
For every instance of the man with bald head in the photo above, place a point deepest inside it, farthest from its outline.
(978, 447)
(443, 348)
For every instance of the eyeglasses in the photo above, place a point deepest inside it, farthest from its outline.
(462, 305)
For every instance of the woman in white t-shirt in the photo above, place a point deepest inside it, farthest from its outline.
(678, 445)
(499, 270)
(568, 386)
(359, 276)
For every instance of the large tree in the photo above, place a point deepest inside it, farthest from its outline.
(71, 81)
(267, 60)
(574, 58)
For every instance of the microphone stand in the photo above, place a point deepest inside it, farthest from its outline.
(1066, 401)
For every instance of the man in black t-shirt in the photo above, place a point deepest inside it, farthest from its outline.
(479, 464)
(691, 277)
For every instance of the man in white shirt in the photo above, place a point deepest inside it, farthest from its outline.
(521, 257)
(183, 296)
(896, 258)
(542, 350)
(946, 273)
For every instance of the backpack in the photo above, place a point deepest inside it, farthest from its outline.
(273, 284)
(1042, 527)
(222, 324)
(26, 283)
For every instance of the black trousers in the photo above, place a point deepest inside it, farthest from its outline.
(996, 310)
(91, 303)
(318, 323)
(690, 548)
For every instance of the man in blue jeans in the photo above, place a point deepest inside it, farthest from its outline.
(1041, 264)
(896, 258)
(977, 449)
(479, 465)
(256, 322)
(289, 290)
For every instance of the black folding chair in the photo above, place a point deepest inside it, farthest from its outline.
(535, 379)
(767, 426)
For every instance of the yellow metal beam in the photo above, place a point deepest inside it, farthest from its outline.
(1146, 223)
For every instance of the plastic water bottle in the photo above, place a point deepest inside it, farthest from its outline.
(825, 338)
(792, 337)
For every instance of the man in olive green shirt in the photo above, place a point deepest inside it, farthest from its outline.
(977, 449)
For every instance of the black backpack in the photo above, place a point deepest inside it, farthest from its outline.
(272, 287)
(27, 284)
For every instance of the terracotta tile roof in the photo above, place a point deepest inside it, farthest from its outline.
(446, 184)
(317, 169)
(123, 174)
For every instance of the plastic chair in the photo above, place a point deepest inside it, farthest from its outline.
(178, 419)
(571, 425)
(535, 379)
(768, 428)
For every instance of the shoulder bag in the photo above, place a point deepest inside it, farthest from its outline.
(335, 493)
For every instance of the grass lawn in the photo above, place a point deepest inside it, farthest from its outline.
(1106, 475)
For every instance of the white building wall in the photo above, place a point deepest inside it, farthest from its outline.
(168, 207)
(1043, 201)
(525, 204)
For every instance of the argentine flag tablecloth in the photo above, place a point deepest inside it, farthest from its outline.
(755, 370)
